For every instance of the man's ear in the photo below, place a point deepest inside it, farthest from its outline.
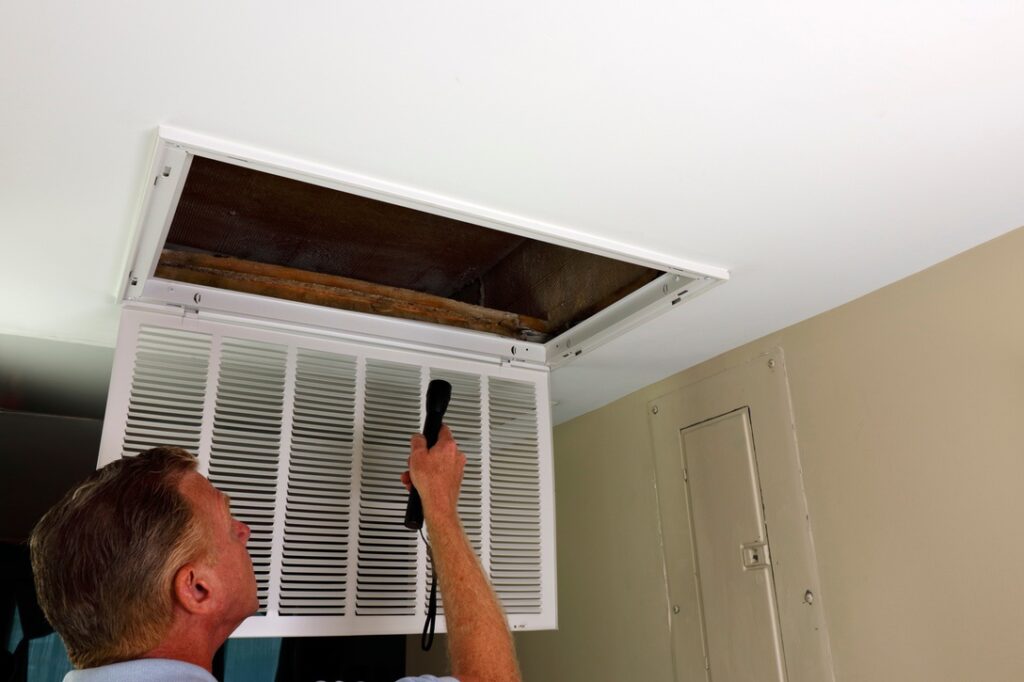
(193, 590)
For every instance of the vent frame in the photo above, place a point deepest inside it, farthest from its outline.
(682, 279)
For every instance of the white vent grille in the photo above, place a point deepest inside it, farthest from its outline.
(515, 496)
(313, 575)
(247, 441)
(309, 437)
(387, 550)
(168, 389)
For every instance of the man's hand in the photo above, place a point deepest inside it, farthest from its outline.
(437, 473)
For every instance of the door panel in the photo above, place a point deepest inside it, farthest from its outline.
(735, 585)
(730, 412)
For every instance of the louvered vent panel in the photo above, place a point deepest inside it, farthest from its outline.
(464, 418)
(309, 436)
(515, 496)
(247, 440)
(387, 550)
(315, 555)
(167, 390)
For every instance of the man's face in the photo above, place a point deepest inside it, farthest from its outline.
(228, 557)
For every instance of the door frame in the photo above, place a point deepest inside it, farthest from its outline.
(761, 385)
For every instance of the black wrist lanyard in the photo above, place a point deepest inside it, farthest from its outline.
(427, 638)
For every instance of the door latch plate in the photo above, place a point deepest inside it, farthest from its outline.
(755, 555)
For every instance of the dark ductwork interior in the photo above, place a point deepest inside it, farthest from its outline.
(242, 229)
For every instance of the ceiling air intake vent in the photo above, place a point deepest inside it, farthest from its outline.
(232, 229)
(515, 496)
(319, 498)
(309, 435)
(247, 438)
(167, 391)
(387, 550)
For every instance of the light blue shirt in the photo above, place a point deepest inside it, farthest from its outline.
(142, 670)
(164, 670)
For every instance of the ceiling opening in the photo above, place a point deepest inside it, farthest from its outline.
(246, 230)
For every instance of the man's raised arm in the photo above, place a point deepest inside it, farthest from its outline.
(479, 642)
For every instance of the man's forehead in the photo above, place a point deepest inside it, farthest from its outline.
(223, 497)
(197, 487)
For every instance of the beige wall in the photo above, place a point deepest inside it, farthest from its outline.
(908, 405)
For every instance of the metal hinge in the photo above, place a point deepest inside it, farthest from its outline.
(185, 309)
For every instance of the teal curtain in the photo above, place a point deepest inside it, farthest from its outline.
(251, 659)
(47, 657)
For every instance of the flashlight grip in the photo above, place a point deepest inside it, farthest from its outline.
(439, 393)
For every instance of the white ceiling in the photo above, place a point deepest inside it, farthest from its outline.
(816, 150)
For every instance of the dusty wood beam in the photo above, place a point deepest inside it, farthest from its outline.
(333, 291)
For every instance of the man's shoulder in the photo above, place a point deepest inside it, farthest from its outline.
(149, 669)
(164, 670)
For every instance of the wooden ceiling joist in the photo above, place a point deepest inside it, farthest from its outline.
(334, 291)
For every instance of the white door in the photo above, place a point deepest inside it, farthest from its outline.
(736, 589)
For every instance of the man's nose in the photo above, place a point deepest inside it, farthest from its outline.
(244, 531)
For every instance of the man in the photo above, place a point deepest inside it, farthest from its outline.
(144, 572)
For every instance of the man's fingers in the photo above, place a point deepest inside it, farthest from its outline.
(444, 435)
(407, 481)
(419, 442)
